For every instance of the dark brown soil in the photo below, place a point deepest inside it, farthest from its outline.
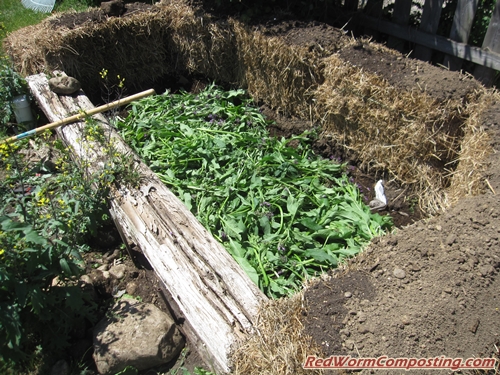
(444, 297)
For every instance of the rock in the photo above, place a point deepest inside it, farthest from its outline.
(64, 85)
(85, 279)
(135, 334)
(486, 270)
(345, 332)
(118, 271)
(104, 267)
(60, 368)
(399, 273)
(362, 329)
(113, 8)
(131, 288)
(349, 344)
(347, 294)
(405, 319)
(361, 317)
(474, 325)
(450, 240)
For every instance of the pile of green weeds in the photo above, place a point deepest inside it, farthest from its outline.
(282, 212)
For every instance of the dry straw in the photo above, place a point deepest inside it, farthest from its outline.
(278, 345)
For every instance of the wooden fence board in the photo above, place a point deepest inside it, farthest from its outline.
(460, 29)
(491, 43)
(401, 16)
(429, 24)
(464, 51)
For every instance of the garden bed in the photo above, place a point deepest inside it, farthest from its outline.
(422, 129)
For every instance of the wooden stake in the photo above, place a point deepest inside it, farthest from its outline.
(79, 116)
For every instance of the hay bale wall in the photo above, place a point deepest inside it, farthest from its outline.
(407, 135)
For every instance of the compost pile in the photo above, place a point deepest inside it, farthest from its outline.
(429, 289)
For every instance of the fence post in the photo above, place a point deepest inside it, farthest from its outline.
(429, 24)
(460, 29)
(491, 42)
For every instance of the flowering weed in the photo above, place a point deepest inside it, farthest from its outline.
(46, 216)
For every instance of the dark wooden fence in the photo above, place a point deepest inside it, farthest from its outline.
(425, 39)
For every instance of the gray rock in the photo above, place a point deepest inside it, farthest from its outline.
(131, 288)
(399, 273)
(349, 344)
(135, 334)
(64, 85)
(118, 271)
(450, 240)
(486, 270)
(361, 317)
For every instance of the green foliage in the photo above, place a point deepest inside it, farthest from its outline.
(282, 212)
(11, 85)
(45, 218)
(481, 22)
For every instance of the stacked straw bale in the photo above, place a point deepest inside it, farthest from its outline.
(436, 149)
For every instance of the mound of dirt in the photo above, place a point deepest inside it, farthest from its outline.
(425, 291)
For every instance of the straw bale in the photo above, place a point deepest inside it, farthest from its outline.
(279, 344)
(281, 75)
(408, 134)
(469, 176)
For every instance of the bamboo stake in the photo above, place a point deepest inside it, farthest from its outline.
(79, 116)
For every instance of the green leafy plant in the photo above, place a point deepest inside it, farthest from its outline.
(45, 219)
(281, 211)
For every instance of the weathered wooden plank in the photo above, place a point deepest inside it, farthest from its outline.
(373, 8)
(429, 24)
(400, 16)
(210, 290)
(475, 54)
(460, 29)
(491, 43)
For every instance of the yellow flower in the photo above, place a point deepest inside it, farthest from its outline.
(103, 73)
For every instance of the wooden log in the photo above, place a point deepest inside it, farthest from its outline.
(206, 286)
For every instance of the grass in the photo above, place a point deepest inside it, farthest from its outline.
(14, 16)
